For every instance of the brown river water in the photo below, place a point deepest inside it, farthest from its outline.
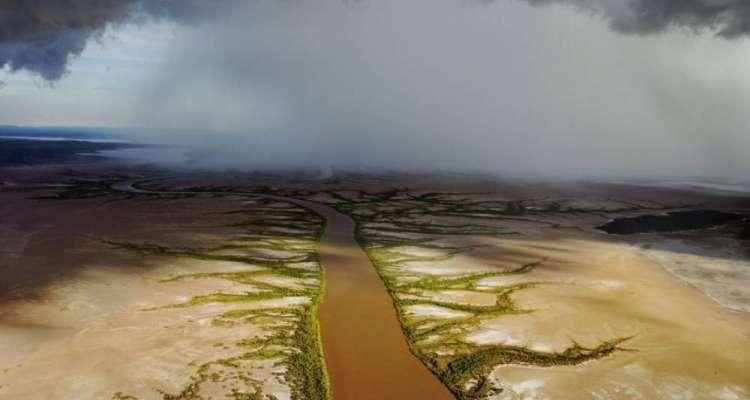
(365, 351)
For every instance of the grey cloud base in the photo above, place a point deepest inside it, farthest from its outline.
(731, 18)
(442, 85)
(41, 36)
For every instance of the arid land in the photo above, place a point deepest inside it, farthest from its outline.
(211, 285)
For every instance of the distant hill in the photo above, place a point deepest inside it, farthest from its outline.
(29, 146)
(63, 133)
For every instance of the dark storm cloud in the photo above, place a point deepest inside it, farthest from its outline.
(40, 36)
(423, 84)
(731, 18)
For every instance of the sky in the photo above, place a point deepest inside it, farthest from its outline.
(630, 88)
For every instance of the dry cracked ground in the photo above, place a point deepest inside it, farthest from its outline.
(504, 290)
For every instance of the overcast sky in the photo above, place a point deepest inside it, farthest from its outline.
(574, 87)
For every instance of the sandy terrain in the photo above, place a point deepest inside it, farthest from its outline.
(86, 319)
(504, 290)
(683, 344)
(721, 272)
(559, 283)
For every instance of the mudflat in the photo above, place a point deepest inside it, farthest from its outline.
(363, 286)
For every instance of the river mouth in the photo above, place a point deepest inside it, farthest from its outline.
(669, 222)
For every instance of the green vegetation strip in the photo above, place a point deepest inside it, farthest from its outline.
(288, 336)
(465, 368)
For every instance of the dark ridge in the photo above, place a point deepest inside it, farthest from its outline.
(669, 222)
(33, 152)
(70, 133)
(745, 232)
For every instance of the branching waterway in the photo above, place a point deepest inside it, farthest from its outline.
(366, 354)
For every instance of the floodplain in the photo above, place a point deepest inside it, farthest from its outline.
(206, 285)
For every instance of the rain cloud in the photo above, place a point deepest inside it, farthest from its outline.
(730, 18)
(41, 36)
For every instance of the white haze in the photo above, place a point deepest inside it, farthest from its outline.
(442, 84)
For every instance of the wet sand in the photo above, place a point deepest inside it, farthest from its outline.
(366, 353)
